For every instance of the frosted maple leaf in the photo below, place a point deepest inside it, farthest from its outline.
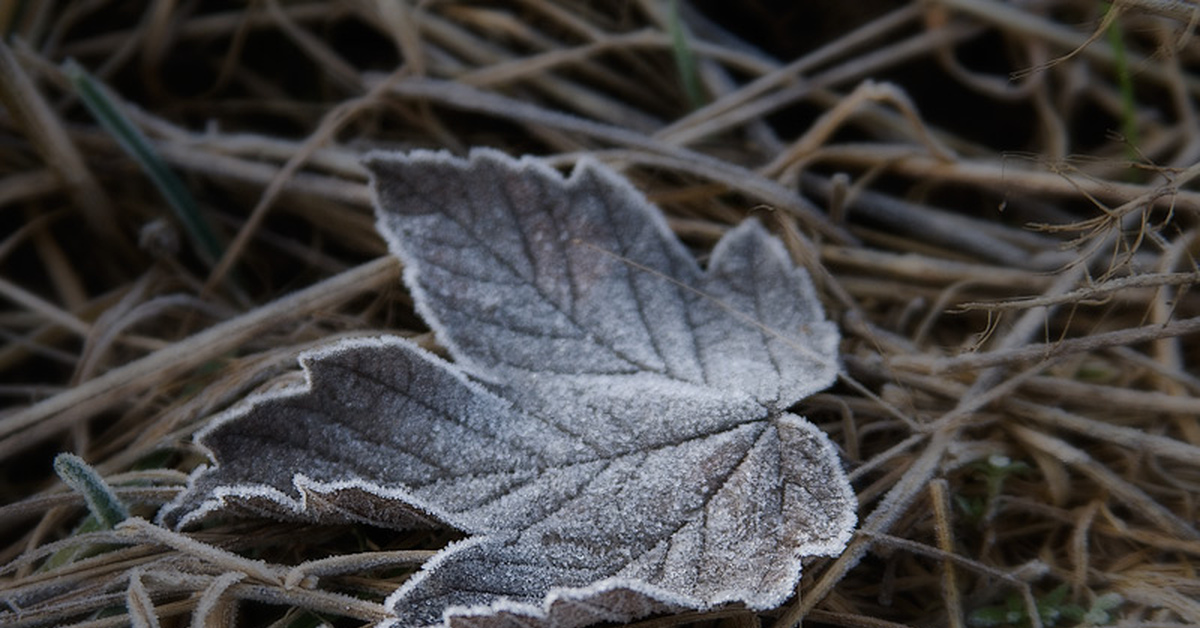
(612, 434)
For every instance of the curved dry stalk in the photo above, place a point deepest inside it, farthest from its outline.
(42, 126)
(939, 498)
(1007, 175)
(141, 531)
(354, 562)
(825, 126)
(1050, 350)
(60, 411)
(1095, 292)
(330, 124)
(1137, 499)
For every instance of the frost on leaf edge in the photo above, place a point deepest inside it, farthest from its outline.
(659, 595)
(667, 599)
(301, 482)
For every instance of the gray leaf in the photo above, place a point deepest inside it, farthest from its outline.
(612, 432)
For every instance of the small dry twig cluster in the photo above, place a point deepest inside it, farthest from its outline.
(998, 201)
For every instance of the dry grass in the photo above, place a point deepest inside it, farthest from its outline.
(1020, 402)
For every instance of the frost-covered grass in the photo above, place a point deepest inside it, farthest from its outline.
(1019, 408)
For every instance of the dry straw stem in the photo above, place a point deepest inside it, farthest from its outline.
(20, 430)
(1007, 281)
(45, 131)
(940, 499)
(1047, 351)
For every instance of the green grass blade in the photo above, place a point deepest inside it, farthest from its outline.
(685, 61)
(104, 505)
(1116, 39)
(108, 113)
